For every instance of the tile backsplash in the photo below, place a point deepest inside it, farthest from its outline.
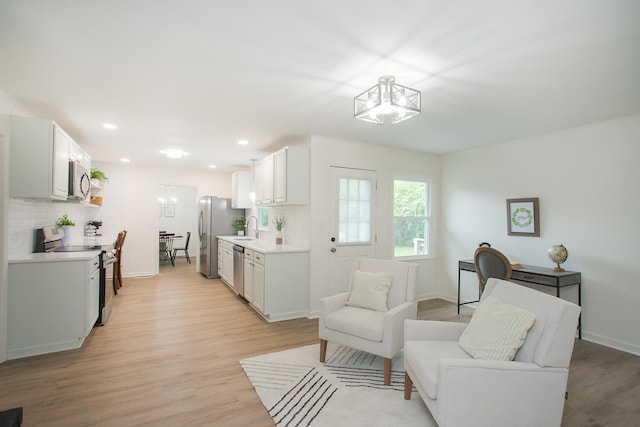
(26, 215)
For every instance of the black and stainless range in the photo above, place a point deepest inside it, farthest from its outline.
(49, 239)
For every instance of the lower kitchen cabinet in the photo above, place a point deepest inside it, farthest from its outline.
(277, 284)
(52, 305)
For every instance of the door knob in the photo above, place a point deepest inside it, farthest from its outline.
(333, 249)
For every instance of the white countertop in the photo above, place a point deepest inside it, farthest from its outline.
(55, 257)
(261, 245)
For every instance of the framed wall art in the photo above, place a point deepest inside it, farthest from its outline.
(523, 217)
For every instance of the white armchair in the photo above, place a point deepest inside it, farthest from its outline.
(377, 332)
(462, 391)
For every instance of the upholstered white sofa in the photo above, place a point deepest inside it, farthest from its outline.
(462, 391)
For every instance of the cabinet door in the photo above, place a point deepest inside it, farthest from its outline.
(280, 176)
(267, 180)
(248, 280)
(93, 290)
(258, 287)
(227, 267)
(240, 189)
(61, 144)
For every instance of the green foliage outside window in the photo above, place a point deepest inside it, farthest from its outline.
(410, 213)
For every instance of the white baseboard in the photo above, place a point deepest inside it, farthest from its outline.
(610, 342)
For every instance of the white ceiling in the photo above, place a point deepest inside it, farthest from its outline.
(199, 75)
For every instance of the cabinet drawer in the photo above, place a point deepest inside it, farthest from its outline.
(539, 279)
(258, 258)
(248, 254)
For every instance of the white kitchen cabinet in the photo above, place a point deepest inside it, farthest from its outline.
(93, 292)
(77, 154)
(284, 178)
(227, 263)
(220, 257)
(264, 181)
(248, 275)
(52, 305)
(38, 159)
(241, 186)
(280, 286)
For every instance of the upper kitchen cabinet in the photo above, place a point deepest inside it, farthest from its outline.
(264, 181)
(39, 159)
(284, 177)
(241, 186)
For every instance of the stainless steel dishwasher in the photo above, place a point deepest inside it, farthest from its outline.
(238, 269)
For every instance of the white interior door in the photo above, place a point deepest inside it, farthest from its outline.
(352, 223)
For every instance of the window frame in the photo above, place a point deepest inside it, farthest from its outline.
(428, 218)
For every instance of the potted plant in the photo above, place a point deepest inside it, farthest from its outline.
(98, 175)
(239, 224)
(279, 222)
(65, 223)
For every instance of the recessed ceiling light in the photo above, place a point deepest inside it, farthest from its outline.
(243, 142)
(125, 160)
(109, 126)
(212, 166)
(174, 154)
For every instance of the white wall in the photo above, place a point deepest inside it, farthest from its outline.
(130, 202)
(586, 181)
(389, 164)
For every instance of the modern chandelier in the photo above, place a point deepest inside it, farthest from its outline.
(387, 99)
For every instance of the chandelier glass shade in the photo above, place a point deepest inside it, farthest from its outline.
(387, 100)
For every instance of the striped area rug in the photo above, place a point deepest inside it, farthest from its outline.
(347, 390)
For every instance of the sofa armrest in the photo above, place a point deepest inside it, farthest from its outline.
(431, 330)
(489, 392)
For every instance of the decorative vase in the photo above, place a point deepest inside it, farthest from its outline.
(278, 238)
(66, 237)
(240, 232)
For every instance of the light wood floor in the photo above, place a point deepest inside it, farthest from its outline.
(169, 357)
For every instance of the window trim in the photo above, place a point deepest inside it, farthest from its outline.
(428, 216)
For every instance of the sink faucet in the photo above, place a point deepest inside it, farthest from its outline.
(257, 235)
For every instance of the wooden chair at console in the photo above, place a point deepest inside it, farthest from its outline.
(117, 265)
(490, 263)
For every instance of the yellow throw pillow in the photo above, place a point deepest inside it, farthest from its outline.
(370, 290)
(496, 330)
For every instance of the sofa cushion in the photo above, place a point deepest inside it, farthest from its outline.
(360, 322)
(423, 356)
(370, 290)
(496, 330)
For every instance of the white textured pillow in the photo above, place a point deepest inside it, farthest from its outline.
(496, 330)
(370, 290)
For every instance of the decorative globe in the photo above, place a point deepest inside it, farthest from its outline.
(558, 254)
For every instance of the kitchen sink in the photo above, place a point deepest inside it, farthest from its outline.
(243, 238)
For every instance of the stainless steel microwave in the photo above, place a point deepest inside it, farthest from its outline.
(79, 181)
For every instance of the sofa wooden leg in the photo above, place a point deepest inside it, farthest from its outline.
(408, 384)
(323, 350)
(387, 371)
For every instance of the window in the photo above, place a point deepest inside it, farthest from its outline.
(263, 218)
(411, 217)
(354, 212)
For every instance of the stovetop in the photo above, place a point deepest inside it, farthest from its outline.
(81, 248)
(77, 248)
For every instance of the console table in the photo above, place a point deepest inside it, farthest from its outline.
(536, 275)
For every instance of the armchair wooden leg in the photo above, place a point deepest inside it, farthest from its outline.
(387, 371)
(408, 384)
(323, 350)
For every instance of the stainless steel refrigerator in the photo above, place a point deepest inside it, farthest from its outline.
(216, 219)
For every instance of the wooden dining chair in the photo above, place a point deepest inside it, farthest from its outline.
(117, 265)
